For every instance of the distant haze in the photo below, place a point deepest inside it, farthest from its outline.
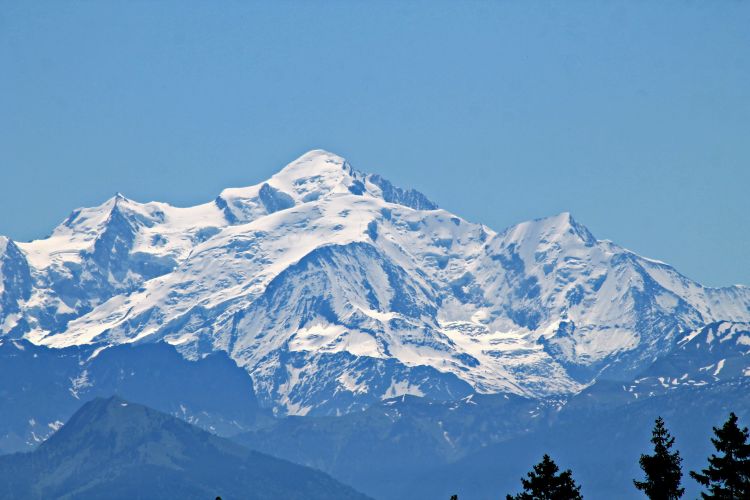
(634, 116)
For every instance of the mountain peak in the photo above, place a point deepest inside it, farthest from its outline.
(315, 175)
(317, 170)
(561, 221)
(88, 218)
(554, 228)
(316, 160)
(104, 416)
(565, 221)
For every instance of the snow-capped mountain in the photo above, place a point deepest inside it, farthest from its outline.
(334, 289)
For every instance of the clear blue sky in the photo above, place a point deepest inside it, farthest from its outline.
(632, 115)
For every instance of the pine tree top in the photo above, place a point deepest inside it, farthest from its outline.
(662, 469)
(544, 483)
(727, 474)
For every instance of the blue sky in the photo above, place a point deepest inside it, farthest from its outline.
(633, 115)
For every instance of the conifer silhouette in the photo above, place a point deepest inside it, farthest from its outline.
(662, 469)
(727, 475)
(544, 483)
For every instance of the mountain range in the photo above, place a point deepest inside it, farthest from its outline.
(334, 289)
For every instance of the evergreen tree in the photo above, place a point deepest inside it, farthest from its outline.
(544, 483)
(662, 469)
(728, 475)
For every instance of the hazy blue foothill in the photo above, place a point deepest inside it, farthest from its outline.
(40, 388)
(112, 448)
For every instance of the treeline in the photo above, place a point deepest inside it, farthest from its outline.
(726, 477)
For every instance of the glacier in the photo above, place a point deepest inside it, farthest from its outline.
(335, 289)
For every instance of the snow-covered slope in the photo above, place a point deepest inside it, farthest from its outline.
(715, 353)
(334, 289)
